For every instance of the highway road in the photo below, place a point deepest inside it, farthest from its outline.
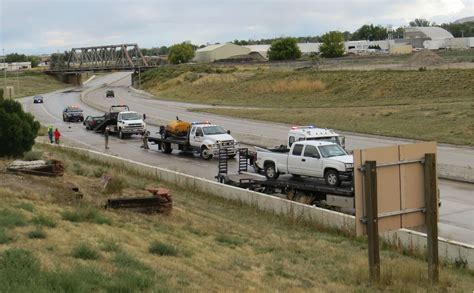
(457, 210)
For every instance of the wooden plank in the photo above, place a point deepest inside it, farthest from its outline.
(431, 198)
(372, 220)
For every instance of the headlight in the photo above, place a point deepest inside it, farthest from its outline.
(349, 165)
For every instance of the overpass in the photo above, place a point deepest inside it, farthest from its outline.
(99, 59)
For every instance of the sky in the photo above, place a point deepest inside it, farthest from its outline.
(49, 26)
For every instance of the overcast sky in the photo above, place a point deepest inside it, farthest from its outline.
(46, 26)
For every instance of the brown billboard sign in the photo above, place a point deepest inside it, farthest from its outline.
(400, 185)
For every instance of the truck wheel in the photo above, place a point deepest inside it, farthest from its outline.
(206, 153)
(332, 178)
(166, 148)
(270, 172)
(121, 135)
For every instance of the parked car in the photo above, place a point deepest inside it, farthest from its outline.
(92, 121)
(73, 113)
(37, 99)
(110, 94)
(320, 159)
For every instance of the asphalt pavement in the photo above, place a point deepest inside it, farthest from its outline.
(456, 213)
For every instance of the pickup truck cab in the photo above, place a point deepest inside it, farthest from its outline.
(320, 159)
(207, 139)
(300, 133)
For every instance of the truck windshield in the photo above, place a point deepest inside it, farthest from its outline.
(212, 130)
(329, 138)
(130, 116)
(332, 150)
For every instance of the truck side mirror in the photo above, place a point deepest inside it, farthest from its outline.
(228, 132)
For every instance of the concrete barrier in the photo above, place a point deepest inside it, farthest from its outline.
(293, 210)
(458, 173)
(449, 250)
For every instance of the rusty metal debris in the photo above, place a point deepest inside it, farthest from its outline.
(38, 167)
(160, 202)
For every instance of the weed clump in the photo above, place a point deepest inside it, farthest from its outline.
(10, 219)
(115, 185)
(84, 251)
(32, 155)
(162, 249)
(27, 206)
(36, 234)
(110, 245)
(4, 237)
(229, 240)
(86, 214)
(43, 220)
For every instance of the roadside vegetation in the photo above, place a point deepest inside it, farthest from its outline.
(426, 105)
(30, 83)
(52, 241)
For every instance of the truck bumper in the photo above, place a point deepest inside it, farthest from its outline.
(346, 176)
(232, 151)
(133, 130)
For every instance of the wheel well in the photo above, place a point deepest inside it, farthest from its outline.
(327, 169)
(266, 163)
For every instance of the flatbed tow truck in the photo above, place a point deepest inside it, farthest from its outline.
(305, 190)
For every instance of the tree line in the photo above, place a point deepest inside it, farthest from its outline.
(15, 57)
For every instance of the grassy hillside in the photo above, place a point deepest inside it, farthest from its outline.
(429, 105)
(52, 241)
(32, 83)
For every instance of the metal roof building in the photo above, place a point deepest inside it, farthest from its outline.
(429, 32)
(217, 52)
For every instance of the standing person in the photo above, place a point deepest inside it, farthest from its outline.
(106, 136)
(145, 139)
(57, 135)
(50, 134)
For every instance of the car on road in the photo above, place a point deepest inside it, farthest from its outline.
(92, 121)
(37, 99)
(73, 113)
(110, 94)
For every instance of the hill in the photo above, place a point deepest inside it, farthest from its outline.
(426, 105)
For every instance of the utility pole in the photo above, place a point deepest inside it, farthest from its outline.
(4, 69)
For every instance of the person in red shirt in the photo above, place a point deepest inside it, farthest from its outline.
(57, 135)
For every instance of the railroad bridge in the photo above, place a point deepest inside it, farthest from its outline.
(99, 59)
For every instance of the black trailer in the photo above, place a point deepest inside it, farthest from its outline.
(110, 118)
(167, 143)
(306, 190)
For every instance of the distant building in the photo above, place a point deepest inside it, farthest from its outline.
(14, 66)
(218, 52)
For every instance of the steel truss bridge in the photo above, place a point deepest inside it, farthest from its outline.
(104, 58)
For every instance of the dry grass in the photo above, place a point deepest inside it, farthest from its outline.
(219, 246)
(288, 86)
(33, 83)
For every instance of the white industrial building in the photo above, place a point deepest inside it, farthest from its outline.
(218, 52)
(14, 66)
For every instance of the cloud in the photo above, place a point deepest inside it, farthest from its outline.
(42, 26)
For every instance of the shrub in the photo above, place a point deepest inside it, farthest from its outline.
(110, 245)
(161, 248)
(32, 156)
(78, 169)
(83, 251)
(36, 234)
(333, 44)
(116, 185)
(10, 219)
(42, 220)
(85, 214)
(284, 49)
(21, 132)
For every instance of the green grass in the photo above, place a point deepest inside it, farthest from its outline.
(32, 83)
(164, 249)
(44, 221)
(11, 218)
(32, 156)
(85, 251)
(85, 214)
(36, 234)
(427, 105)
(27, 206)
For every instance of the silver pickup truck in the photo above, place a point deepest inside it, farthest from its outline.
(319, 159)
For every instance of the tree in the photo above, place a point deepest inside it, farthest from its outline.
(458, 30)
(59, 60)
(18, 130)
(420, 22)
(333, 44)
(284, 49)
(370, 32)
(181, 53)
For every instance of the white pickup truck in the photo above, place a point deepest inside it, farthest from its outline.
(320, 159)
